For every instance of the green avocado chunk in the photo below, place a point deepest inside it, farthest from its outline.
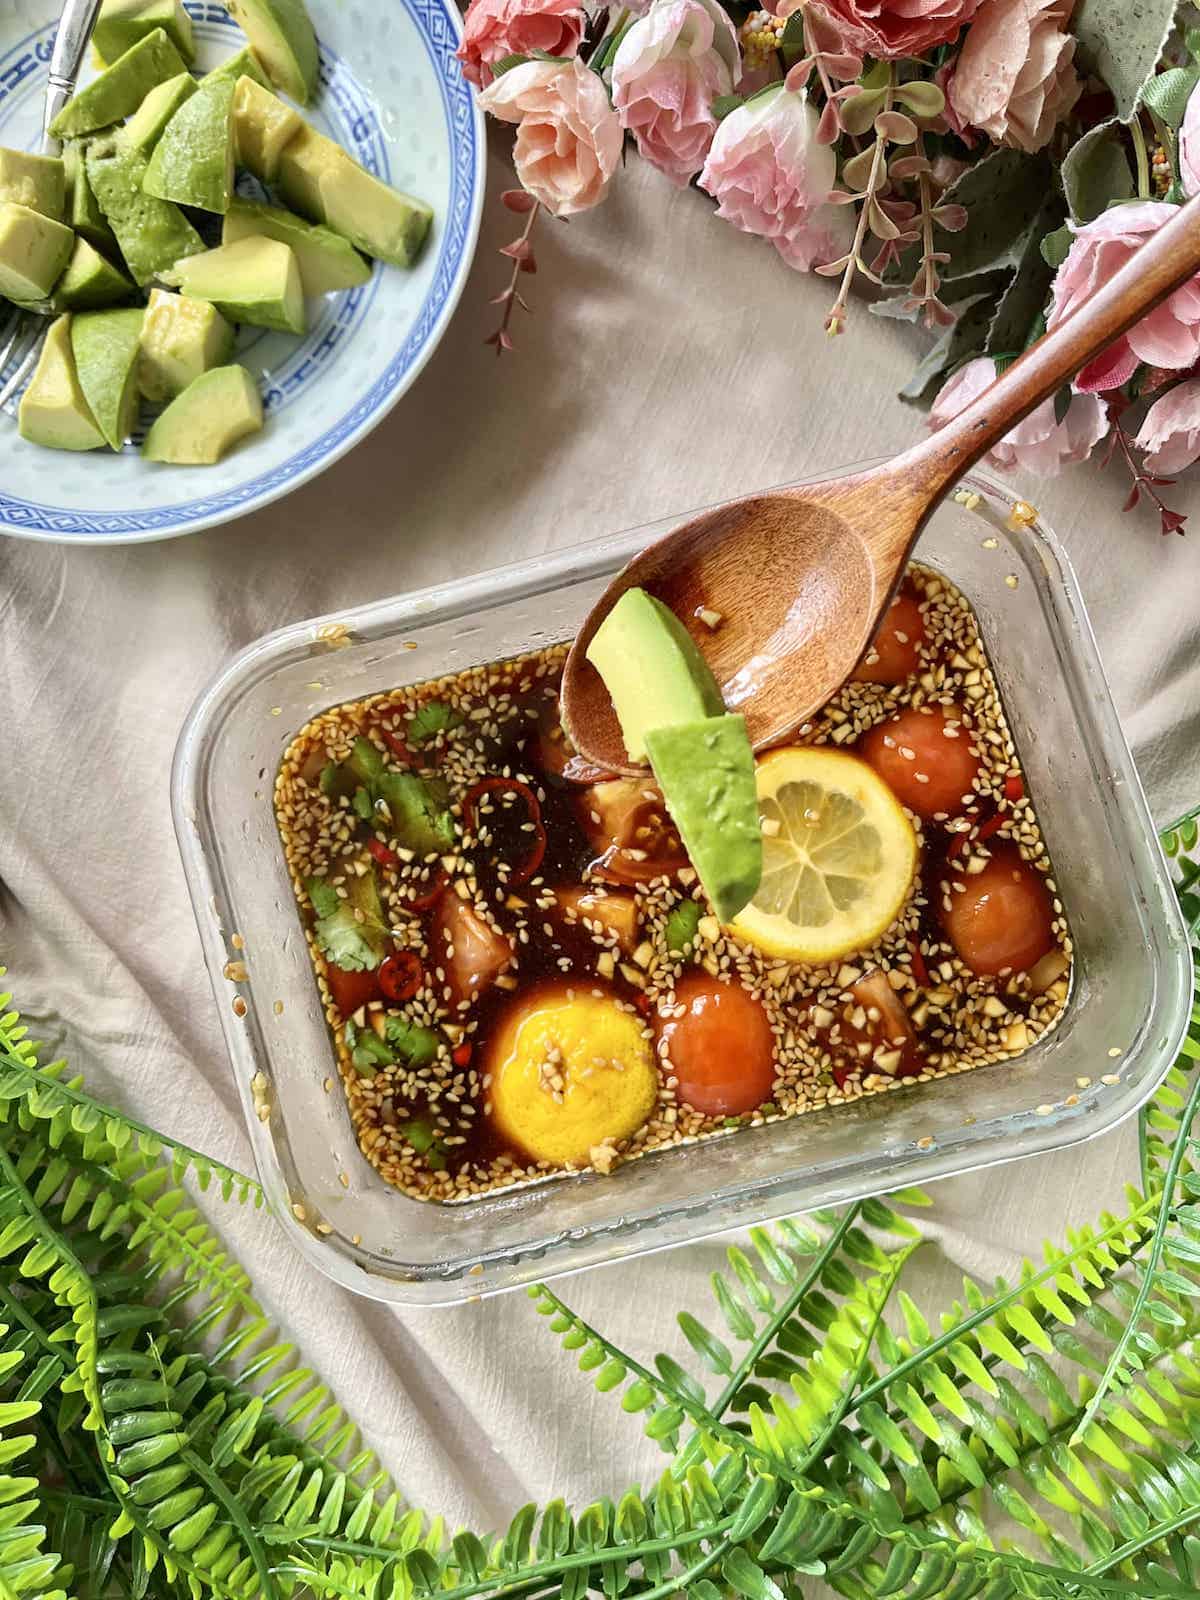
(90, 281)
(53, 410)
(282, 36)
(254, 280)
(192, 162)
(243, 65)
(37, 182)
(652, 668)
(83, 209)
(153, 234)
(706, 772)
(263, 126)
(318, 179)
(149, 122)
(203, 424)
(119, 91)
(123, 23)
(106, 346)
(34, 251)
(181, 339)
(327, 262)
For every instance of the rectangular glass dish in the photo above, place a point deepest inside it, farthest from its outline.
(1122, 1027)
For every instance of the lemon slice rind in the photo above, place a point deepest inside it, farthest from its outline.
(838, 864)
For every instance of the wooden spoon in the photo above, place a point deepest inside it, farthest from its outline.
(801, 577)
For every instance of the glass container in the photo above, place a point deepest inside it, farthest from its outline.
(1123, 1025)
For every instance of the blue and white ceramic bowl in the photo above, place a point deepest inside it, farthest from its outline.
(393, 95)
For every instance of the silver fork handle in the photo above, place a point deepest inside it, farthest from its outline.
(70, 45)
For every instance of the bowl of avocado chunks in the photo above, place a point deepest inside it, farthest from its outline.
(202, 245)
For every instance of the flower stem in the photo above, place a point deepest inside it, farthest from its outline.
(1143, 158)
(607, 48)
(511, 295)
(836, 321)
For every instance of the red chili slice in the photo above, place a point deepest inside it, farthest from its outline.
(520, 874)
(919, 970)
(991, 826)
(1014, 788)
(431, 896)
(384, 856)
(401, 976)
(399, 749)
(462, 1055)
(957, 845)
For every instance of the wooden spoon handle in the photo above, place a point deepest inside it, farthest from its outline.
(1168, 259)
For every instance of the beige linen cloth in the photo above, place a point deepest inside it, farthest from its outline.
(670, 362)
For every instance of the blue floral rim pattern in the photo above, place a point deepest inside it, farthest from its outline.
(437, 23)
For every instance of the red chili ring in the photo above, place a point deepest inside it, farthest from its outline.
(1014, 788)
(384, 856)
(401, 976)
(522, 874)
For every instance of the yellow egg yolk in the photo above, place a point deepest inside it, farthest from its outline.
(570, 1072)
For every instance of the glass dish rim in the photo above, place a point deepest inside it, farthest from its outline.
(559, 1251)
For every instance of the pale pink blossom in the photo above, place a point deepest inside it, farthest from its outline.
(1041, 444)
(568, 136)
(1167, 337)
(1170, 433)
(891, 29)
(1015, 77)
(1189, 146)
(494, 29)
(771, 177)
(669, 68)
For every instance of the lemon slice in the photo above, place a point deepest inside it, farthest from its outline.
(839, 856)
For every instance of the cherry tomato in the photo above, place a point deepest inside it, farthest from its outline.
(722, 1050)
(1003, 917)
(875, 1017)
(401, 976)
(626, 822)
(352, 989)
(472, 953)
(895, 652)
(926, 756)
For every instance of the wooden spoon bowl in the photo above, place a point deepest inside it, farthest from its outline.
(801, 577)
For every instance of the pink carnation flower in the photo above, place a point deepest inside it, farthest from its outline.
(1170, 433)
(890, 29)
(1189, 146)
(1015, 77)
(1166, 337)
(669, 68)
(494, 29)
(770, 177)
(568, 136)
(1041, 444)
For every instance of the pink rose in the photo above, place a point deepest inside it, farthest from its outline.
(1015, 77)
(497, 28)
(668, 70)
(568, 136)
(1171, 432)
(1189, 146)
(1167, 337)
(890, 29)
(770, 177)
(1041, 444)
